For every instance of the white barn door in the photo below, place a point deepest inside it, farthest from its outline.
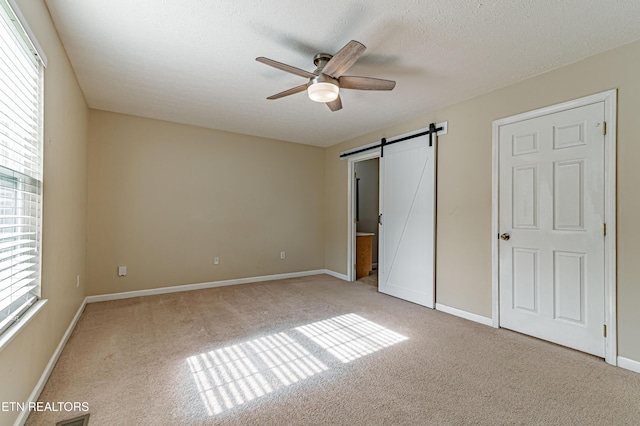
(551, 209)
(407, 229)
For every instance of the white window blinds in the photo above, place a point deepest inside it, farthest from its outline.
(20, 169)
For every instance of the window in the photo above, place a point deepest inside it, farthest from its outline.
(21, 73)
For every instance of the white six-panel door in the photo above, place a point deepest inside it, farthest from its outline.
(551, 215)
(407, 203)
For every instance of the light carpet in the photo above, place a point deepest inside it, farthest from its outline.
(319, 351)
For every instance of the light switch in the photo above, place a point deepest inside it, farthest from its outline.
(122, 271)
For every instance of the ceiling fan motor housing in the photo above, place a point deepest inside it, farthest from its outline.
(321, 59)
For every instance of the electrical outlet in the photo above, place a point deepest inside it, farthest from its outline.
(216, 260)
(77, 281)
(282, 255)
(122, 271)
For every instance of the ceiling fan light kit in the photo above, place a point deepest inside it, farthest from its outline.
(323, 91)
(325, 82)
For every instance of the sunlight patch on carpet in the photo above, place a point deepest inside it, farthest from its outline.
(237, 374)
(349, 337)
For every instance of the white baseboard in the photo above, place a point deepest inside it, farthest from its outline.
(200, 286)
(464, 314)
(35, 394)
(336, 275)
(629, 364)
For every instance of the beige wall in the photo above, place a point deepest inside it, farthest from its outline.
(165, 198)
(464, 183)
(64, 217)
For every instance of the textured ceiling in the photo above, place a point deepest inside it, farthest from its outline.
(194, 62)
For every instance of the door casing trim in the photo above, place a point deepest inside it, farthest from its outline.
(610, 297)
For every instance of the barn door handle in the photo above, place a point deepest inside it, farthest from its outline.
(505, 236)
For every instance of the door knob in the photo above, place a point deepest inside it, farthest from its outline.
(505, 236)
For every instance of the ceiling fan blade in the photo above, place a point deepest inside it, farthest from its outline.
(291, 91)
(366, 83)
(335, 105)
(285, 67)
(344, 59)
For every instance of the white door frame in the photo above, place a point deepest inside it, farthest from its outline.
(351, 251)
(610, 103)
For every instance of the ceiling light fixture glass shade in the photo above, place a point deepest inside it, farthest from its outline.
(323, 92)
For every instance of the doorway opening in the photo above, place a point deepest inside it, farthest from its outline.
(406, 214)
(366, 203)
(363, 205)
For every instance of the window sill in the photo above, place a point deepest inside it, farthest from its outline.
(13, 331)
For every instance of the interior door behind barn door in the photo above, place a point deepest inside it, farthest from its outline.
(407, 230)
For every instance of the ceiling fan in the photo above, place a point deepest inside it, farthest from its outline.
(326, 81)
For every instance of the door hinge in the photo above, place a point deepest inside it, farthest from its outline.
(380, 219)
(604, 330)
(604, 229)
(604, 127)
